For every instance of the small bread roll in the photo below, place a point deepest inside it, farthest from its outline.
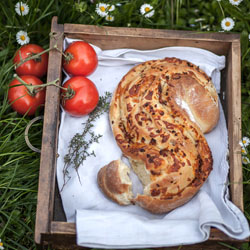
(114, 181)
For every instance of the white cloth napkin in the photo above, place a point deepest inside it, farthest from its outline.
(102, 223)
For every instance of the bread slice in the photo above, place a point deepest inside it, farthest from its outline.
(114, 181)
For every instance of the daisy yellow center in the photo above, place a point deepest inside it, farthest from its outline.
(243, 150)
(103, 9)
(236, 0)
(244, 142)
(227, 23)
(22, 37)
(147, 9)
(1, 244)
(22, 8)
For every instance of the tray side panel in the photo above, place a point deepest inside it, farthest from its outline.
(49, 138)
(63, 236)
(234, 123)
(147, 32)
(121, 37)
(154, 42)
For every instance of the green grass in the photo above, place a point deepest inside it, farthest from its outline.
(19, 166)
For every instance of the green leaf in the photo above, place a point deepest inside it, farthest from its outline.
(244, 41)
(4, 52)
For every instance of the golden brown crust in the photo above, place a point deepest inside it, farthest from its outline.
(110, 181)
(158, 206)
(151, 126)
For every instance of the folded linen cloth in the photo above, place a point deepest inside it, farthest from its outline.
(102, 223)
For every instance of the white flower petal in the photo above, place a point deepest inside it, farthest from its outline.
(101, 9)
(22, 37)
(243, 150)
(147, 10)
(235, 2)
(110, 7)
(21, 8)
(245, 141)
(245, 160)
(1, 245)
(109, 18)
(227, 23)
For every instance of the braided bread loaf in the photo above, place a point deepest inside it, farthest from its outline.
(158, 115)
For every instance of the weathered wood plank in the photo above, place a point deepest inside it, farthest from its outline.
(145, 32)
(116, 42)
(234, 123)
(117, 37)
(70, 228)
(49, 138)
(63, 236)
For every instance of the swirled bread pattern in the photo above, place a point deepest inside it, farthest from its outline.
(163, 140)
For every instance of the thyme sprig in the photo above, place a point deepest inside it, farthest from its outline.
(80, 143)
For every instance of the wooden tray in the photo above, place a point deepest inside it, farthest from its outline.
(51, 226)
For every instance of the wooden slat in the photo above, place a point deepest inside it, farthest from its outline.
(63, 227)
(63, 235)
(67, 242)
(113, 38)
(70, 229)
(144, 32)
(234, 123)
(155, 42)
(49, 138)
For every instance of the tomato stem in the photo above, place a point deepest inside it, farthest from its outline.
(66, 56)
(33, 56)
(36, 56)
(33, 89)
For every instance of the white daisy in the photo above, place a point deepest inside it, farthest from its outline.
(245, 141)
(109, 18)
(243, 150)
(235, 2)
(21, 8)
(147, 10)
(227, 23)
(110, 8)
(249, 37)
(103, 9)
(1, 245)
(22, 37)
(245, 160)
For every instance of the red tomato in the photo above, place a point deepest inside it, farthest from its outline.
(20, 99)
(82, 59)
(84, 99)
(36, 67)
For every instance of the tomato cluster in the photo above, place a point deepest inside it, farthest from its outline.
(21, 100)
(79, 94)
(80, 61)
(19, 96)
